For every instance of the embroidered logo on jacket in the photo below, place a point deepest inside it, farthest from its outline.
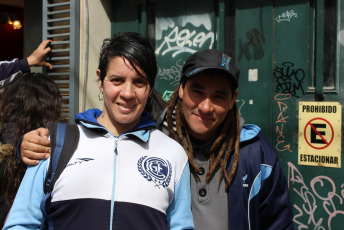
(244, 180)
(156, 170)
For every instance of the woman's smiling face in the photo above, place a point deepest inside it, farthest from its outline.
(125, 96)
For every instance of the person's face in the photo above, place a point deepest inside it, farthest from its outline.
(125, 95)
(206, 99)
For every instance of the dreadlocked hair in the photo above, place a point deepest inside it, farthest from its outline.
(226, 144)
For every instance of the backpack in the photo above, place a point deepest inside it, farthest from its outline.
(64, 139)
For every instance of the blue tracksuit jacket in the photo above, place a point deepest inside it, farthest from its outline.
(138, 180)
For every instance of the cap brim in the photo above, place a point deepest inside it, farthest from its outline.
(199, 70)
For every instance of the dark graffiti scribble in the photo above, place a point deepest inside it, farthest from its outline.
(255, 38)
(289, 80)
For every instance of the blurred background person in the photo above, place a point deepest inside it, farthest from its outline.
(29, 101)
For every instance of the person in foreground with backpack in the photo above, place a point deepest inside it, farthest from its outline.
(124, 173)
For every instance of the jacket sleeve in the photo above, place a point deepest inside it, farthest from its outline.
(275, 208)
(7, 68)
(25, 212)
(19, 152)
(179, 214)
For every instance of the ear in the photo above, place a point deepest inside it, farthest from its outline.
(150, 90)
(100, 85)
(181, 91)
(235, 95)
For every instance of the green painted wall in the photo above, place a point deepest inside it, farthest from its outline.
(288, 51)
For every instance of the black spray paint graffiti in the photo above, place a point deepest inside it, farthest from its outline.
(289, 80)
(254, 38)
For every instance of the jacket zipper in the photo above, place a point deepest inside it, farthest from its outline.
(113, 184)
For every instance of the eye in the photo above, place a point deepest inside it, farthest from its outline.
(219, 97)
(116, 80)
(197, 91)
(140, 82)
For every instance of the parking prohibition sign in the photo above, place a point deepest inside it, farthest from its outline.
(319, 139)
(315, 133)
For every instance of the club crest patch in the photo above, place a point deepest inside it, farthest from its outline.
(156, 170)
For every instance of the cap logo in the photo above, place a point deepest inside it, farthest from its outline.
(194, 71)
(225, 62)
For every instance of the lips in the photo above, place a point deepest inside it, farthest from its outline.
(204, 117)
(125, 106)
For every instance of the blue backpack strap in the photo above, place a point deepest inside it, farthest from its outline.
(54, 159)
(64, 139)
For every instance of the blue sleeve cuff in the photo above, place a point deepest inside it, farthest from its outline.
(19, 153)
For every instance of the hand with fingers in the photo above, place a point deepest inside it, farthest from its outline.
(35, 146)
(37, 56)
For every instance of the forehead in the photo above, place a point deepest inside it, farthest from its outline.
(122, 65)
(208, 80)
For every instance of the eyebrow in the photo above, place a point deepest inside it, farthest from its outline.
(113, 75)
(195, 85)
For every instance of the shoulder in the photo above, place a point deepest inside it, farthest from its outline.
(171, 148)
(249, 132)
(162, 138)
(254, 147)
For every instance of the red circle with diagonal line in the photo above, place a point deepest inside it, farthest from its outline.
(323, 138)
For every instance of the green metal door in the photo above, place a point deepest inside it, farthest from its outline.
(288, 53)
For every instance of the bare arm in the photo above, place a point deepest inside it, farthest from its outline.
(37, 56)
(35, 146)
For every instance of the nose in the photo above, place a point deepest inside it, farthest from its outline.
(128, 90)
(206, 106)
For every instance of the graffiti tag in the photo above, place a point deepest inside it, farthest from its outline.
(286, 16)
(281, 121)
(255, 38)
(172, 73)
(289, 80)
(319, 196)
(184, 41)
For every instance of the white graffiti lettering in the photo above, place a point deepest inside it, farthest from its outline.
(171, 74)
(184, 41)
(286, 16)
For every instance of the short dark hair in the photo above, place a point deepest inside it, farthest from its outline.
(134, 48)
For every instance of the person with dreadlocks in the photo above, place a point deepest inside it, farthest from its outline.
(237, 181)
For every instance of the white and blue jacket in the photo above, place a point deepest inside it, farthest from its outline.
(138, 180)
